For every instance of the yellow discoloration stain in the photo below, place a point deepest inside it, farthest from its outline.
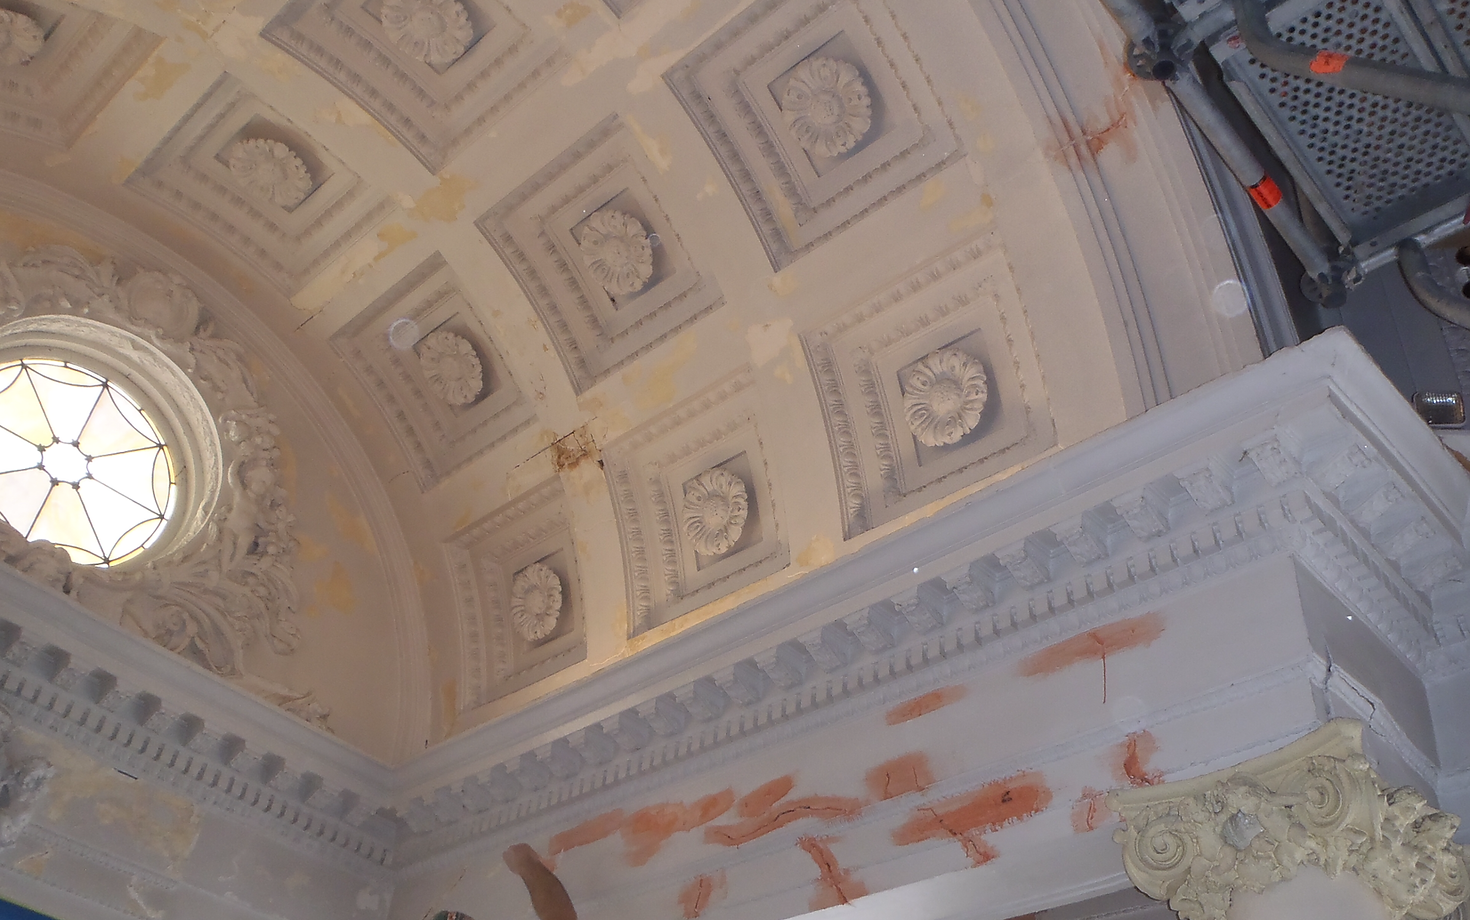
(336, 590)
(985, 143)
(348, 403)
(933, 194)
(784, 212)
(351, 526)
(570, 14)
(346, 112)
(56, 159)
(463, 520)
(711, 189)
(309, 550)
(157, 77)
(238, 39)
(350, 266)
(421, 574)
(783, 373)
(627, 38)
(34, 864)
(650, 72)
(782, 284)
(123, 169)
(818, 552)
(29, 234)
(659, 388)
(444, 201)
(657, 148)
(242, 281)
(767, 340)
(969, 106)
(978, 217)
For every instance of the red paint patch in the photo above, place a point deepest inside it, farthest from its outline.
(900, 776)
(1329, 61)
(648, 829)
(1130, 760)
(764, 797)
(1095, 644)
(835, 885)
(701, 892)
(823, 807)
(1089, 812)
(965, 818)
(589, 831)
(925, 704)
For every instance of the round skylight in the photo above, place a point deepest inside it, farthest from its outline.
(81, 464)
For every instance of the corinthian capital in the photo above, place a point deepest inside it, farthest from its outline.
(1315, 802)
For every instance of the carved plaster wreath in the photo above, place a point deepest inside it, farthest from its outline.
(826, 106)
(714, 511)
(944, 393)
(271, 171)
(436, 32)
(617, 251)
(21, 38)
(451, 367)
(535, 601)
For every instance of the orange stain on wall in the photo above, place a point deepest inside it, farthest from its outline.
(1090, 810)
(965, 818)
(648, 829)
(1095, 644)
(1130, 760)
(835, 885)
(760, 800)
(925, 704)
(900, 776)
(589, 831)
(701, 892)
(823, 807)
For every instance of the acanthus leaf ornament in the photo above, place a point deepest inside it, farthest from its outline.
(617, 251)
(21, 38)
(436, 32)
(943, 395)
(826, 106)
(535, 601)
(23, 781)
(1316, 802)
(714, 511)
(451, 367)
(270, 170)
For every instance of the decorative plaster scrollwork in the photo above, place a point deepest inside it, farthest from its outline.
(271, 171)
(451, 367)
(21, 38)
(225, 580)
(1316, 802)
(617, 251)
(826, 106)
(943, 396)
(535, 601)
(714, 511)
(23, 780)
(436, 32)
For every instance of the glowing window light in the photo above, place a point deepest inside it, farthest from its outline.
(81, 465)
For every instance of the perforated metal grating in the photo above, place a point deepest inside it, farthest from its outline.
(1378, 161)
(1456, 15)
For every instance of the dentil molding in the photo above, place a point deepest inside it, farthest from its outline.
(1315, 802)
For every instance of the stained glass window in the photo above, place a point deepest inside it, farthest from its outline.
(81, 465)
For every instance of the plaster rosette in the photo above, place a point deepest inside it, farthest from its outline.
(1316, 802)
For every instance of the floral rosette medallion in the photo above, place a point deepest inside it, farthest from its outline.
(714, 511)
(271, 171)
(535, 601)
(617, 251)
(944, 393)
(21, 38)
(436, 32)
(826, 106)
(451, 367)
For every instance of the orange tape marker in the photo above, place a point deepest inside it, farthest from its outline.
(1266, 193)
(1330, 62)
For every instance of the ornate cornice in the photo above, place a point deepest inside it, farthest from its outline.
(1315, 802)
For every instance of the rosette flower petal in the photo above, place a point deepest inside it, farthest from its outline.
(535, 601)
(21, 38)
(826, 106)
(714, 511)
(617, 251)
(943, 395)
(451, 367)
(271, 171)
(436, 32)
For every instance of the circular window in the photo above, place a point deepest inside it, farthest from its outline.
(81, 463)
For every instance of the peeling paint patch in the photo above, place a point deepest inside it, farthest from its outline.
(835, 885)
(768, 340)
(346, 112)
(900, 776)
(933, 194)
(1095, 644)
(977, 217)
(924, 704)
(782, 284)
(157, 77)
(711, 188)
(351, 526)
(571, 13)
(336, 590)
(309, 550)
(238, 38)
(818, 552)
(589, 831)
(761, 799)
(656, 148)
(1089, 811)
(350, 266)
(822, 807)
(1130, 760)
(967, 818)
(648, 829)
(659, 389)
(702, 892)
(444, 201)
